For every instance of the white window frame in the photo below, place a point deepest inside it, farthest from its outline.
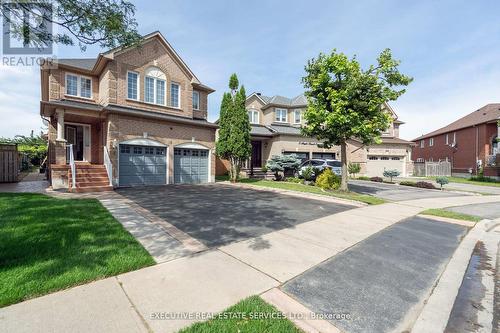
(454, 138)
(155, 84)
(447, 139)
(431, 142)
(422, 143)
(253, 112)
(179, 97)
(299, 111)
(280, 118)
(78, 85)
(138, 86)
(198, 99)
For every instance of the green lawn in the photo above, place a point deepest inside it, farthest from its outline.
(47, 244)
(451, 215)
(467, 181)
(243, 318)
(371, 200)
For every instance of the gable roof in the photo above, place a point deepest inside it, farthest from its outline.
(486, 114)
(278, 100)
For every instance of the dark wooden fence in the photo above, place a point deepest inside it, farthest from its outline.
(9, 163)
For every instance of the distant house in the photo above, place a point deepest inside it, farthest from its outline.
(469, 143)
(275, 130)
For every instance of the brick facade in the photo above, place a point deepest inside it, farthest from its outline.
(109, 88)
(472, 144)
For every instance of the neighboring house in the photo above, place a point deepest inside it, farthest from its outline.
(275, 130)
(136, 115)
(468, 143)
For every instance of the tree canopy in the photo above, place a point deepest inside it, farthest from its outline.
(233, 142)
(107, 23)
(345, 101)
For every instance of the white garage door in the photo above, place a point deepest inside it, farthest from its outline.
(376, 165)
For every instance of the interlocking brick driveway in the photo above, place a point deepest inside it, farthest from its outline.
(217, 214)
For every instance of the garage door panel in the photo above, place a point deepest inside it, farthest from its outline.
(376, 165)
(141, 165)
(190, 166)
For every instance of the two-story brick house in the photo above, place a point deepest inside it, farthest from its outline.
(132, 116)
(469, 143)
(275, 130)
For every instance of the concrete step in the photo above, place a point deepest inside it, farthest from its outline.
(92, 189)
(92, 183)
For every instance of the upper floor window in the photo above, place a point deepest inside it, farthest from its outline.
(280, 115)
(297, 116)
(154, 86)
(422, 143)
(454, 137)
(253, 116)
(133, 85)
(196, 100)
(447, 139)
(431, 142)
(175, 90)
(77, 85)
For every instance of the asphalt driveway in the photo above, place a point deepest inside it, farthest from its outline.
(217, 214)
(381, 282)
(397, 192)
(486, 210)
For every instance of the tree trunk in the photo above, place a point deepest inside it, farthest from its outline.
(343, 157)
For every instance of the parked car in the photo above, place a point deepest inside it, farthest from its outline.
(320, 165)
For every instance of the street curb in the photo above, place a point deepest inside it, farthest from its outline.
(436, 312)
(299, 194)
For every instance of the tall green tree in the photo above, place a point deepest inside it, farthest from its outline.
(346, 101)
(107, 23)
(233, 142)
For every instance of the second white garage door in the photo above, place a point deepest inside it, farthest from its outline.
(190, 166)
(376, 165)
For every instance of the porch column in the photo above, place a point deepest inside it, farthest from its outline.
(60, 125)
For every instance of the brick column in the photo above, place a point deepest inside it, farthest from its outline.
(60, 152)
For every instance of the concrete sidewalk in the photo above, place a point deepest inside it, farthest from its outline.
(210, 281)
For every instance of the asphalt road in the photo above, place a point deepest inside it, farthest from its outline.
(396, 192)
(486, 211)
(218, 214)
(381, 281)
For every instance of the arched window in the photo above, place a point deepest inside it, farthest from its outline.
(155, 86)
(253, 116)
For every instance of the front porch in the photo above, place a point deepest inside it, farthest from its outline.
(77, 145)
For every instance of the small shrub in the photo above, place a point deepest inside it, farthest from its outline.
(294, 180)
(327, 180)
(364, 178)
(377, 179)
(425, 185)
(408, 183)
(484, 179)
(442, 181)
(391, 174)
(279, 164)
(264, 168)
(308, 173)
(354, 168)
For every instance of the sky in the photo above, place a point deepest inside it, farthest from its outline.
(450, 48)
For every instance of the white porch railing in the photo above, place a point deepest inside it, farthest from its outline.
(72, 166)
(108, 165)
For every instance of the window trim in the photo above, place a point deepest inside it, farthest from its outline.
(422, 143)
(138, 86)
(295, 111)
(155, 84)
(78, 85)
(179, 95)
(198, 94)
(431, 142)
(276, 113)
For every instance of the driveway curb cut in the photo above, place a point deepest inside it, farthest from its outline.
(436, 312)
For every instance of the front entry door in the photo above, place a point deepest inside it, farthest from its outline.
(256, 154)
(79, 137)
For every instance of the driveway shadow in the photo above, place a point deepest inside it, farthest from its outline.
(218, 214)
